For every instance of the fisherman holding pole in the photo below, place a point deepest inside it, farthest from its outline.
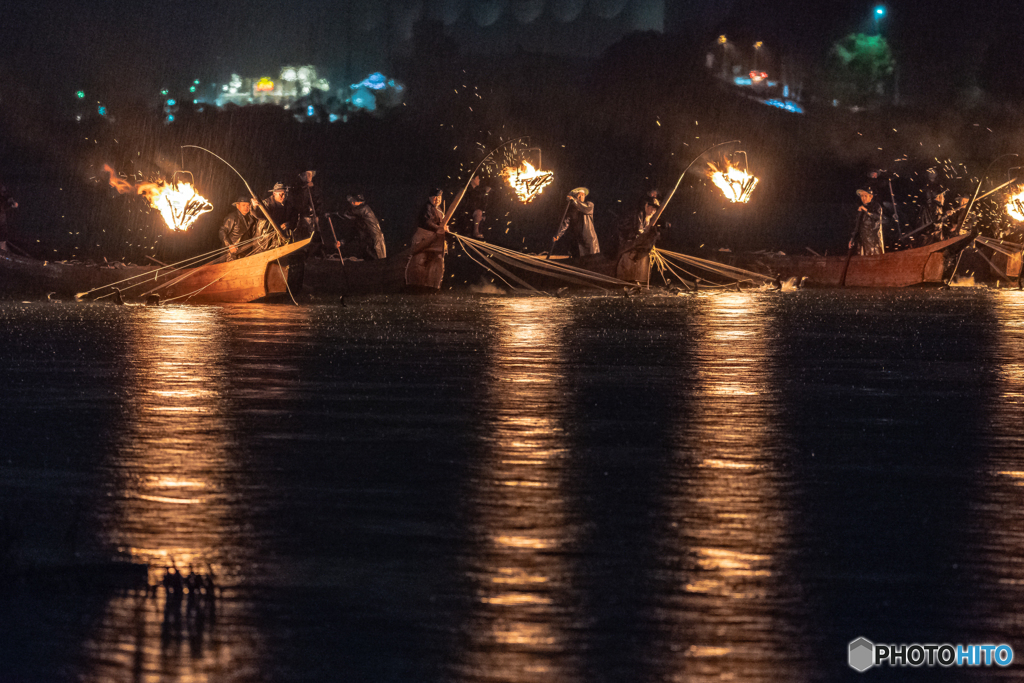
(578, 222)
(867, 232)
(239, 226)
(426, 265)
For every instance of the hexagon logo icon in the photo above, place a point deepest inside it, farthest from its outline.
(862, 654)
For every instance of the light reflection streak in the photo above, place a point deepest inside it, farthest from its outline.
(521, 621)
(175, 500)
(994, 563)
(733, 602)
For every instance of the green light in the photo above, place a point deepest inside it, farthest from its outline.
(196, 81)
(192, 89)
(164, 91)
(80, 94)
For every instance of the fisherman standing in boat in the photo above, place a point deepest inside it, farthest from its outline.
(476, 208)
(867, 234)
(930, 215)
(308, 202)
(367, 228)
(279, 208)
(238, 227)
(579, 224)
(6, 204)
(426, 265)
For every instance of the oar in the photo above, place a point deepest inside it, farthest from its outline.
(846, 266)
(558, 231)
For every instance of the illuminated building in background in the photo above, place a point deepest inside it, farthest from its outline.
(290, 85)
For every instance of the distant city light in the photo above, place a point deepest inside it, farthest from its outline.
(80, 94)
(102, 110)
(880, 11)
(196, 81)
(171, 103)
(192, 89)
(170, 117)
(310, 110)
(164, 92)
(758, 45)
(264, 85)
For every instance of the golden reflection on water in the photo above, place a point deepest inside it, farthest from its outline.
(729, 522)
(998, 510)
(175, 499)
(520, 624)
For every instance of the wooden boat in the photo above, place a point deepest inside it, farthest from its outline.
(259, 277)
(905, 268)
(396, 274)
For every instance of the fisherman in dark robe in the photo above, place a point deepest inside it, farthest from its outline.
(367, 228)
(867, 233)
(307, 201)
(638, 231)
(578, 224)
(7, 204)
(930, 215)
(475, 213)
(238, 227)
(957, 221)
(279, 207)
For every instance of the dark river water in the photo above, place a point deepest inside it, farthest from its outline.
(718, 487)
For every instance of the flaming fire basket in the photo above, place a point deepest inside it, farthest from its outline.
(736, 182)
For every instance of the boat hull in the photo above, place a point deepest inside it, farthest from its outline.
(923, 265)
(254, 278)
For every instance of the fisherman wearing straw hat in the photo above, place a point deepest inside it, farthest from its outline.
(867, 233)
(579, 224)
(238, 227)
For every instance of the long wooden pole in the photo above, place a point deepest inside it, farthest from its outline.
(251, 193)
(657, 215)
(458, 198)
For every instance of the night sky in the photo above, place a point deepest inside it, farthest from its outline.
(114, 45)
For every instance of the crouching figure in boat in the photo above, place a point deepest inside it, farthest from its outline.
(637, 237)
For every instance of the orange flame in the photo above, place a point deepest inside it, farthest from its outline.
(177, 201)
(1015, 206)
(736, 184)
(527, 181)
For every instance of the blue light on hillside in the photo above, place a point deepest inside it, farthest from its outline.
(171, 103)
(375, 81)
(364, 99)
(310, 110)
(102, 110)
(879, 11)
(787, 105)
